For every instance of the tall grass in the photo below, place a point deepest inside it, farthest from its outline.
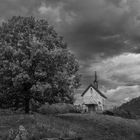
(89, 127)
(38, 126)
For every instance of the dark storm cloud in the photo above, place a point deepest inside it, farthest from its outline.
(97, 27)
(91, 27)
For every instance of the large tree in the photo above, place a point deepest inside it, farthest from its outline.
(34, 63)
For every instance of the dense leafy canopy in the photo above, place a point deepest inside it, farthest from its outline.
(35, 63)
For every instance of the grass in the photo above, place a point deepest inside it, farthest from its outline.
(90, 127)
(106, 127)
(38, 126)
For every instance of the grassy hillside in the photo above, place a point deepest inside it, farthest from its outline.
(90, 127)
(132, 106)
(103, 127)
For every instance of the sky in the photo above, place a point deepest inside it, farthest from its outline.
(104, 35)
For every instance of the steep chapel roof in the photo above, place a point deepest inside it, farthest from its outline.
(97, 90)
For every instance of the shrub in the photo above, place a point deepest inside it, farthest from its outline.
(59, 108)
(121, 113)
(124, 113)
(108, 112)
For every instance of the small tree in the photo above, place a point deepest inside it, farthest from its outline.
(34, 63)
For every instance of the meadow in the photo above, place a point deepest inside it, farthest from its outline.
(88, 126)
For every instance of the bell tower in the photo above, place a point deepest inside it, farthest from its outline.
(95, 82)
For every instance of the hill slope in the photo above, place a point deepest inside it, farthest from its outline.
(133, 106)
(89, 127)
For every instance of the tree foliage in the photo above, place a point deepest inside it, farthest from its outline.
(35, 63)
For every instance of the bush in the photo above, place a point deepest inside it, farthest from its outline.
(108, 112)
(121, 113)
(59, 108)
(124, 113)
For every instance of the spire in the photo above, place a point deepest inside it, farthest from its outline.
(95, 80)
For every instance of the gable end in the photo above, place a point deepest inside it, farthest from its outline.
(99, 92)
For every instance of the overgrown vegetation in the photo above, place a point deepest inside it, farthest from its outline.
(121, 113)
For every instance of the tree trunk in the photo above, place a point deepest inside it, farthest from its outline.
(27, 101)
(27, 105)
(27, 96)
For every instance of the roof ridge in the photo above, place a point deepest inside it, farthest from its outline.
(95, 89)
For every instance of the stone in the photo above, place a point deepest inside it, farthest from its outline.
(17, 137)
(10, 134)
(22, 133)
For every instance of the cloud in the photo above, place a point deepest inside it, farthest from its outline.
(122, 94)
(43, 9)
(127, 99)
(98, 28)
(118, 70)
(91, 28)
(52, 13)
